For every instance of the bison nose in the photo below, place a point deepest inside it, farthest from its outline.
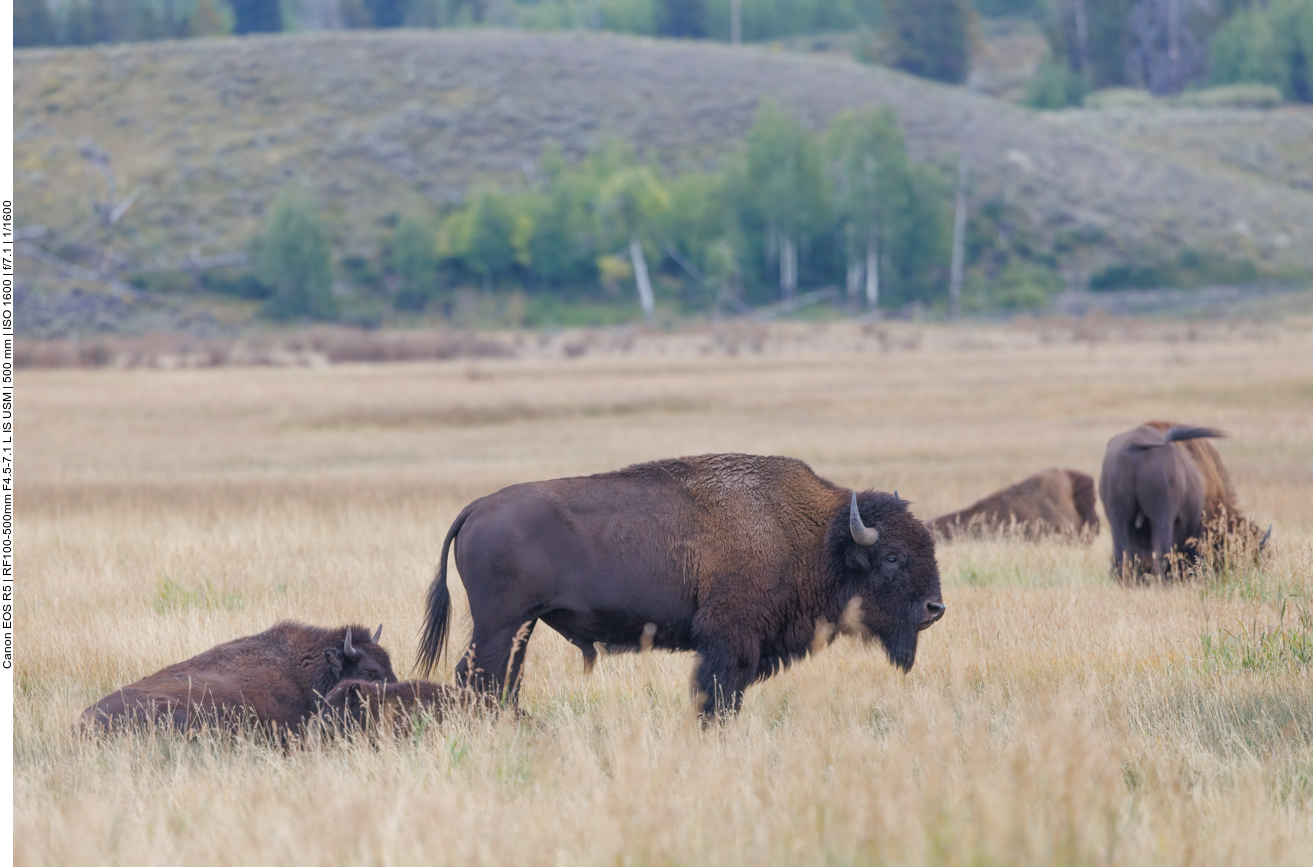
(933, 611)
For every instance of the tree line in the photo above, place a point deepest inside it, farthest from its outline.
(792, 211)
(1167, 46)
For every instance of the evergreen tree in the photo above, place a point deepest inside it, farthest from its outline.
(931, 38)
(293, 258)
(256, 16)
(682, 18)
(388, 13)
(33, 24)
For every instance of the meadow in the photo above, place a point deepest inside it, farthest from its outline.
(1053, 716)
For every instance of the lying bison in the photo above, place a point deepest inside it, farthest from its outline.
(276, 679)
(737, 557)
(1051, 501)
(1162, 484)
(377, 707)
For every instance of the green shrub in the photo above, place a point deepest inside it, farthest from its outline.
(1024, 286)
(1232, 96)
(293, 258)
(1188, 269)
(1120, 97)
(1054, 87)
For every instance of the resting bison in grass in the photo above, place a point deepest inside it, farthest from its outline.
(377, 707)
(276, 679)
(1161, 485)
(737, 557)
(1051, 501)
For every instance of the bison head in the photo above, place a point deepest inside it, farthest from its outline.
(360, 658)
(886, 561)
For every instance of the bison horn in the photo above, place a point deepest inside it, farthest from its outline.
(862, 534)
(378, 632)
(347, 650)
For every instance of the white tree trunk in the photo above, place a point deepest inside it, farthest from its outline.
(735, 21)
(959, 237)
(641, 278)
(788, 266)
(854, 279)
(872, 271)
(1083, 41)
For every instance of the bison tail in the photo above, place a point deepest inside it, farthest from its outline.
(1179, 433)
(437, 616)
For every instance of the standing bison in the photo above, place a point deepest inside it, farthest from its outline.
(737, 557)
(1161, 484)
(277, 679)
(1051, 501)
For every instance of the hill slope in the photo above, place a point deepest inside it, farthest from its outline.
(378, 122)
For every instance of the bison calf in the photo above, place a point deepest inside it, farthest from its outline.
(1051, 501)
(1163, 485)
(378, 707)
(276, 679)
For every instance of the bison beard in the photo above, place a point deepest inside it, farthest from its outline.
(736, 557)
(276, 679)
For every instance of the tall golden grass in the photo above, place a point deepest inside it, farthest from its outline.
(1053, 716)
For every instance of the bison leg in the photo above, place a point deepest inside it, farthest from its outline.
(493, 660)
(723, 673)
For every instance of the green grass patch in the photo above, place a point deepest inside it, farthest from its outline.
(172, 596)
(1287, 643)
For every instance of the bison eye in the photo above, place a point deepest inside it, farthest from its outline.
(892, 558)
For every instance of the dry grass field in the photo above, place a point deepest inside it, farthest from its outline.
(1053, 717)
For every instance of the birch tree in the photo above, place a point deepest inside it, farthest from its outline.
(870, 179)
(786, 182)
(635, 199)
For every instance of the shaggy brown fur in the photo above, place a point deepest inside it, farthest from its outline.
(276, 679)
(737, 557)
(1051, 501)
(1164, 489)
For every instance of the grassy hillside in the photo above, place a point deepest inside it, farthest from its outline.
(382, 122)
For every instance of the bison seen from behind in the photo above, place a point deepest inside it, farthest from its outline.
(737, 557)
(1051, 501)
(276, 679)
(1163, 485)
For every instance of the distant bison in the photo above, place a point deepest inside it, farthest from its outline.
(1051, 501)
(377, 707)
(737, 557)
(276, 679)
(1162, 484)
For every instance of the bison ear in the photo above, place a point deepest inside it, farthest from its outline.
(334, 657)
(859, 560)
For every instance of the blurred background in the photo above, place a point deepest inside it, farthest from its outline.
(209, 167)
